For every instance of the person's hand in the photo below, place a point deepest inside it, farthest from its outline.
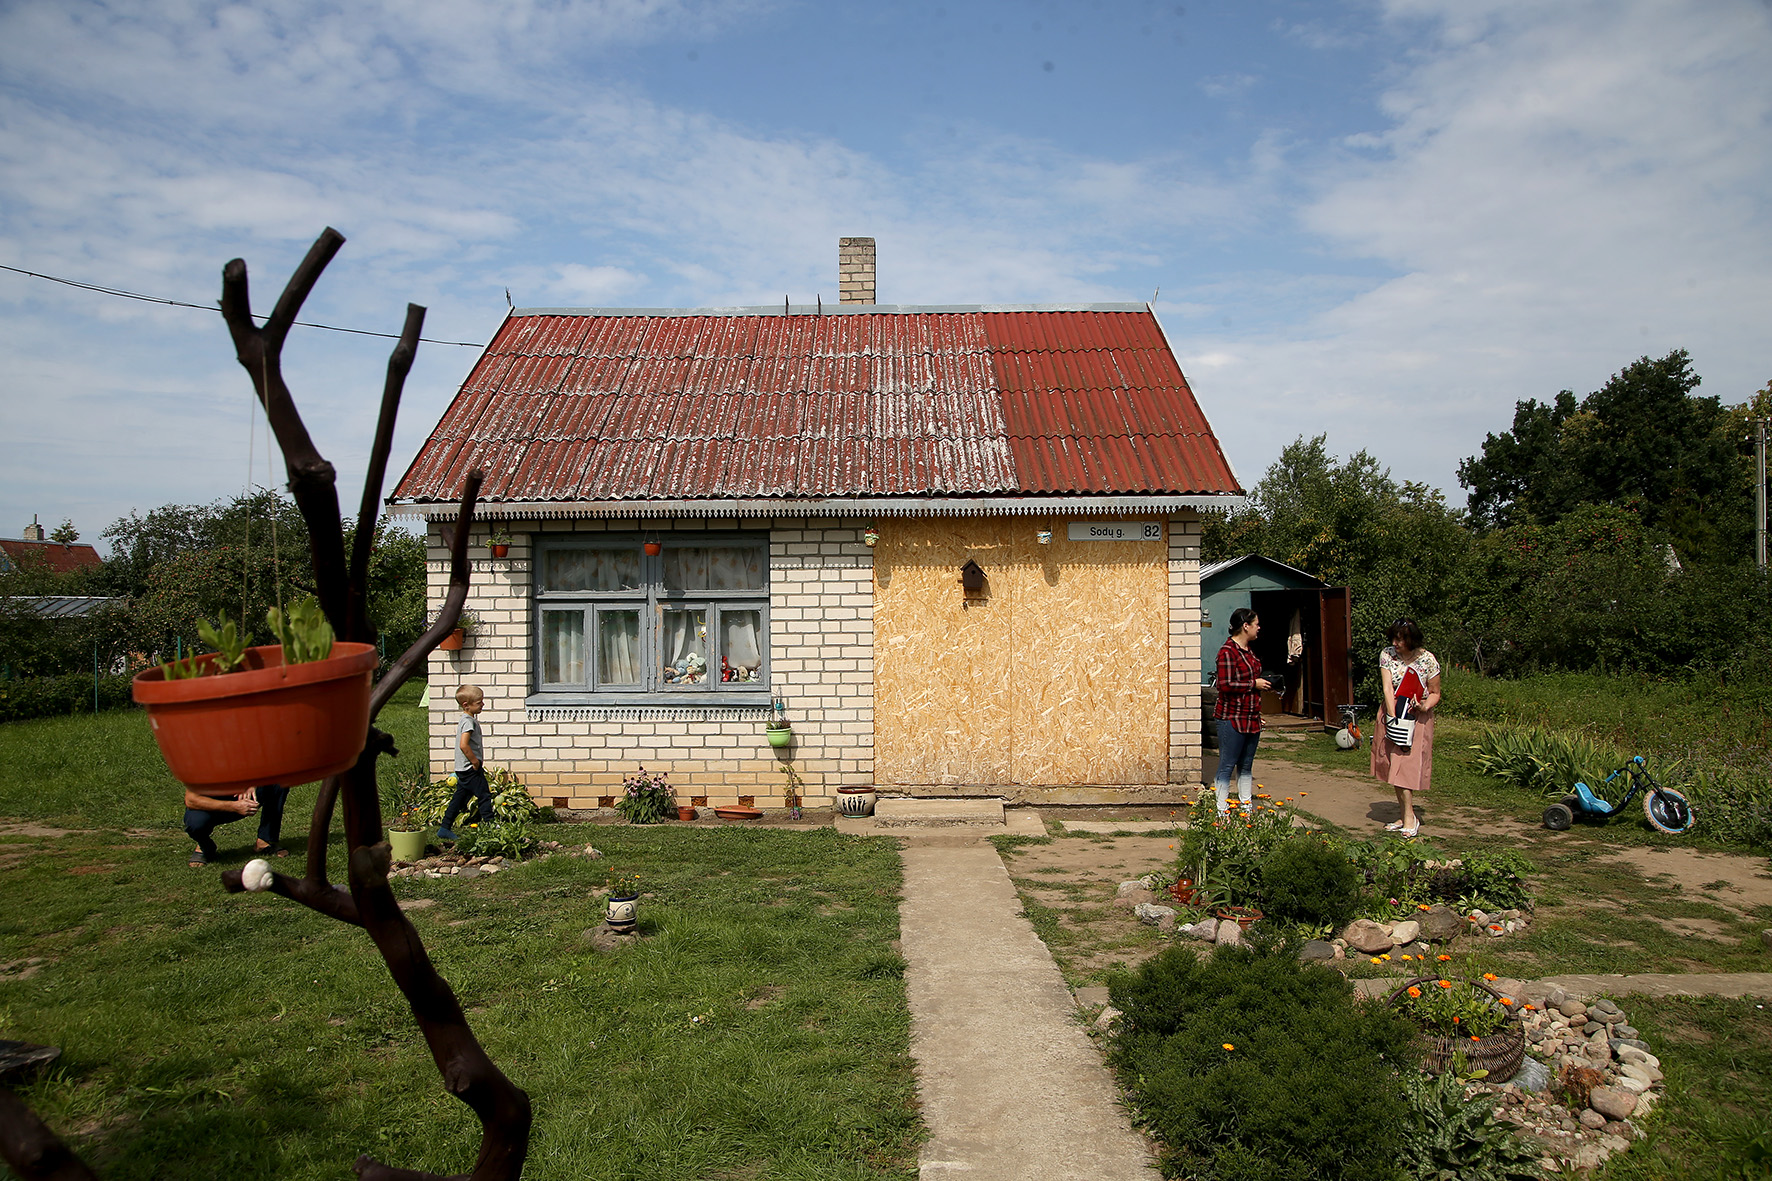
(246, 805)
(1263, 683)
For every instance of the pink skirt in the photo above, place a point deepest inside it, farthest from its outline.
(1410, 769)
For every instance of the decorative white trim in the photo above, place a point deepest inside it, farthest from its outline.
(646, 713)
(873, 506)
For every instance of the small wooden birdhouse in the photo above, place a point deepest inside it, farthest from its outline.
(972, 577)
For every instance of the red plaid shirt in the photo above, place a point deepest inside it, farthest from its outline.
(1239, 701)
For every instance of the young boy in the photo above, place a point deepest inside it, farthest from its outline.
(470, 773)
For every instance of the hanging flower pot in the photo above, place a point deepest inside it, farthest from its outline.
(623, 912)
(779, 734)
(270, 723)
(500, 549)
(652, 548)
(871, 536)
(453, 641)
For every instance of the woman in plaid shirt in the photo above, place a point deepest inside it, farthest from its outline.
(1238, 711)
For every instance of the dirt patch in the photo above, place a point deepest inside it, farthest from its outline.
(771, 992)
(22, 969)
(86, 869)
(1745, 884)
(417, 903)
(26, 829)
(1068, 886)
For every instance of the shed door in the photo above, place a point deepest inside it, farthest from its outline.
(1056, 675)
(1338, 675)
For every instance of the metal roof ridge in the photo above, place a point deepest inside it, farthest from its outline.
(847, 309)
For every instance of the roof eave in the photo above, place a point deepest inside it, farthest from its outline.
(857, 506)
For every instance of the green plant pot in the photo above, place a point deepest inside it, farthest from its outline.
(408, 846)
(780, 737)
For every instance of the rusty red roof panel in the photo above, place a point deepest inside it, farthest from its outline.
(604, 406)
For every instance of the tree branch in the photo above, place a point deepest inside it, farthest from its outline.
(31, 1150)
(369, 512)
(415, 656)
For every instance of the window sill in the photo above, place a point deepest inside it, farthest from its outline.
(593, 706)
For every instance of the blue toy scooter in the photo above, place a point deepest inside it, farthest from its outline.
(1665, 809)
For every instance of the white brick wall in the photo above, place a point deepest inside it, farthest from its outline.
(1184, 649)
(821, 664)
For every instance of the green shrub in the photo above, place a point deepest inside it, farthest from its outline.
(1311, 882)
(511, 840)
(1545, 762)
(510, 799)
(48, 697)
(1449, 1137)
(645, 799)
(1306, 1089)
(1224, 854)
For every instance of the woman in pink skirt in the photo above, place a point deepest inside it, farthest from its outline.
(1408, 673)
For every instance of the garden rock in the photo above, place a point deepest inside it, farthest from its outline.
(1440, 925)
(1206, 930)
(1612, 1102)
(1229, 934)
(1126, 888)
(1766, 939)
(1134, 899)
(605, 940)
(1593, 1120)
(1318, 949)
(1150, 914)
(1108, 1016)
(1405, 931)
(1533, 1075)
(1366, 936)
(1570, 1007)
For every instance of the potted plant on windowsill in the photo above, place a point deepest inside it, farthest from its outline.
(499, 541)
(463, 626)
(238, 717)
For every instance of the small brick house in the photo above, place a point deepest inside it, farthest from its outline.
(959, 546)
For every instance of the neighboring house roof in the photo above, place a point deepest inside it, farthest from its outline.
(856, 401)
(64, 606)
(56, 557)
(1210, 573)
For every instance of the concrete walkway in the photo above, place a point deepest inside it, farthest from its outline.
(1724, 984)
(1012, 1088)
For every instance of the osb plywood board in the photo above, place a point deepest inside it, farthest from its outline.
(943, 686)
(1093, 675)
(1058, 675)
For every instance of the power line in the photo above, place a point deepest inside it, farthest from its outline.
(203, 307)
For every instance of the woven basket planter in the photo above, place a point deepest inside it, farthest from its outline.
(1500, 1053)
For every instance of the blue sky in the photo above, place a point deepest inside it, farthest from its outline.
(1386, 220)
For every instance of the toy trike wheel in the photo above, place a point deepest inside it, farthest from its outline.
(1345, 740)
(1558, 817)
(1666, 810)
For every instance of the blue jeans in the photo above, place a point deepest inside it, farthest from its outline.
(1236, 750)
(469, 785)
(199, 824)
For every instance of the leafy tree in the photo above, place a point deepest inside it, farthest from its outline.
(1397, 547)
(1643, 440)
(65, 532)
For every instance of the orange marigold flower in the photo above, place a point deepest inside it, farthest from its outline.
(1375, 959)
(1475, 1038)
(1455, 1021)
(1422, 906)
(1489, 975)
(1445, 983)
(1385, 956)
(1529, 1008)
(1228, 1046)
(1406, 958)
(1414, 991)
(1445, 958)
(1508, 1001)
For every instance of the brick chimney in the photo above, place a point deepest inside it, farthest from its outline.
(855, 270)
(33, 531)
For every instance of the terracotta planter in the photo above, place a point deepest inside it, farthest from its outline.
(623, 912)
(856, 801)
(273, 723)
(779, 736)
(653, 548)
(1242, 915)
(408, 844)
(500, 549)
(685, 812)
(452, 641)
(737, 812)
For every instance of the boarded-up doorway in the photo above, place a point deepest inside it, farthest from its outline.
(1055, 675)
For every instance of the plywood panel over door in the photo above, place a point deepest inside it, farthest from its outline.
(943, 685)
(1059, 676)
(1091, 632)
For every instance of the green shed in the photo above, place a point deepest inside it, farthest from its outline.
(1306, 631)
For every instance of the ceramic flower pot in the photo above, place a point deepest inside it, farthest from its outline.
(408, 844)
(623, 912)
(653, 548)
(779, 736)
(685, 812)
(856, 801)
(500, 549)
(1242, 915)
(270, 723)
(452, 641)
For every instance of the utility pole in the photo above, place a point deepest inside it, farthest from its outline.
(1760, 492)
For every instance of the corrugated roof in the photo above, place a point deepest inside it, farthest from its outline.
(640, 404)
(64, 606)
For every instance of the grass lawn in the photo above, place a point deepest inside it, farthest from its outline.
(244, 1032)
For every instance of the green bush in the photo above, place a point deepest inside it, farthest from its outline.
(48, 697)
(1309, 881)
(1545, 762)
(510, 799)
(1449, 1137)
(510, 839)
(1256, 1067)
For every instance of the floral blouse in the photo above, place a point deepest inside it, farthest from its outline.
(1425, 664)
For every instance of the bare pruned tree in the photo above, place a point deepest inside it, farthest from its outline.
(341, 581)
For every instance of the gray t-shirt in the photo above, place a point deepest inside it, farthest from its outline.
(470, 726)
